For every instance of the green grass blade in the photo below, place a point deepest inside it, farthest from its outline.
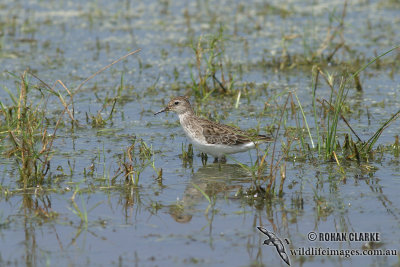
(202, 192)
(305, 120)
(370, 143)
(372, 61)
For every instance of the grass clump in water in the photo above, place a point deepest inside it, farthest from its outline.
(209, 63)
(26, 128)
(135, 159)
(327, 143)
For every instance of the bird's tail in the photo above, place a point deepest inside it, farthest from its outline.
(264, 139)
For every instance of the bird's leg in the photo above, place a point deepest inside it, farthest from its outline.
(204, 158)
(221, 159)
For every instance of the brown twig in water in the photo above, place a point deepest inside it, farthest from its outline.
(273, 150)
(106, 67)
(330, 56)
(71, 114)
(220, 84)
(331, 35)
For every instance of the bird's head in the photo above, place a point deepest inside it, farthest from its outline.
(179, 105)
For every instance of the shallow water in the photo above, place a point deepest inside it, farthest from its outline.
(170, 221)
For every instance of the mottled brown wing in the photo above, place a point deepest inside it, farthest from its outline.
(216, 133)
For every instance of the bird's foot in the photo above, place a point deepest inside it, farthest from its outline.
(221, 159)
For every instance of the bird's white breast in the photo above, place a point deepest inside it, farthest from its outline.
(194, 133)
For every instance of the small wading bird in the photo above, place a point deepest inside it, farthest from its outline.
(211, 137)
(273, 240)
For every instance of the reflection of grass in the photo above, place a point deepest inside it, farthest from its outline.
(82, 212)
(311, 140)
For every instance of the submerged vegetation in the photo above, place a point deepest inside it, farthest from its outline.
(92, 159)
(29, 130)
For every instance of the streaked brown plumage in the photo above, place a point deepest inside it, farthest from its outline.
(211, 137)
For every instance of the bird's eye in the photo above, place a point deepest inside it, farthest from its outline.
(176, 103)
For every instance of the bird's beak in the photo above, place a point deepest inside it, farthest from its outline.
(263, 230)
(161, 111)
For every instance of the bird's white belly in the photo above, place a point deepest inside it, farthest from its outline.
(218, 150)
